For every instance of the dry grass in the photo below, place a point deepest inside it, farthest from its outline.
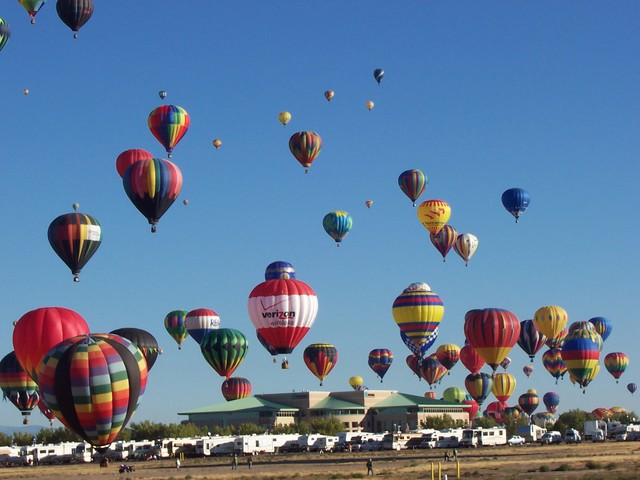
(587, 461)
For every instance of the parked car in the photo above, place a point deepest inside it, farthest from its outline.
(598, 435)
(572, 436)
(550, 438)
(516, 440)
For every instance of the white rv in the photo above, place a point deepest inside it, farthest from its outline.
(475, 437)
(253, 444)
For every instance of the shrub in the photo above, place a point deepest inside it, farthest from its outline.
(593, 465)
(565, 467)
(544, 468)
(611, 466)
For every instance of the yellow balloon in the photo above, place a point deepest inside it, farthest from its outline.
(369, 105)
(550, 320)
(284, 117)
(434, 215)
(356, 382)
(217, 143)
(504, 384)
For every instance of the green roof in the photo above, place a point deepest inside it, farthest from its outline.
(408, 400)
(332, 403)
(241, 405)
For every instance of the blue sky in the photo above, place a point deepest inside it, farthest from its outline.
(482, 96)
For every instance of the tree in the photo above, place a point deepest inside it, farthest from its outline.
(5, 439)
(57, 435)
(572, 419)
(22, 438)
(441, 422)
(511, 423)
(484, 422)
(327, 426)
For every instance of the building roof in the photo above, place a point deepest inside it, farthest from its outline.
(332, 403)
(241, 405)
(408, 400)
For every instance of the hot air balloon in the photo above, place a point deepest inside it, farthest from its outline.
(369, 105)
(174, 323)
(5, 32)
(492, 332)
(581, 353)
(432, 370)
(421, 350)
(412, 183)
(129, 157)
(146, 343)
(217, 143)
(329, 95)
(418, 312)
(470, 359)
(530, 339)
(32, 7)
(152, 185)
(527, 370)
(552, 361)
(551, 400)
(234, 388)
(37, 331)
(378, 74)
(495, 410)
(320, 358)
(465, 246)
(602, 413)
(49, 415)
(201, 321)
(504, 384)
(471, 406)
(305, 147)
(269, 348)
(280, 269)
(75, 237)
(413, 362)
(550, 320)
(283, 311)
(162, 94)
(454, 395)
(380, 359)
(559, 340)
(356, 382)
(368, 203)
(616, 363)
(93, 384)
(224, 349)
(434, 215)
(337, 224)
(529, 401)
(444, 240)
(632, 387)
(505, 363)
(516, 201)
(479, 386)
(603, 326)
(169, 123)
(17, 386)
(284, 117)
(431, 395)
(74, 13)
(448, 355)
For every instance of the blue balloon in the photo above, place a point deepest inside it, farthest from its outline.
(378, 73)
(420, 351)
(278, 270)
(632, 387)
(516, 201)
(603, 326)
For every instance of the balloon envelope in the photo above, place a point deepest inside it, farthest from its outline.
(284, 117)
(465, 246)
(146, 343)
(380, 359)
(234, 388)
(434, 215)
(492, 332)
(17, 386)
(444, 240)
(530, 339)
(418, 312)
(280, 269)
(320, 358)
(412, 183)
(129, 157)
(5, 32)
(201, 321)
(337, 224)
(174, 324)
(169, 123)
(74, 13)
(305, 146)
(378, 74)
(224, 349)
(515, 201)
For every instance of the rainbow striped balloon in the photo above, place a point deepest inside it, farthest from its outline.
(169, 123)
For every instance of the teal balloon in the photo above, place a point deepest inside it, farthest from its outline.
(337, 224)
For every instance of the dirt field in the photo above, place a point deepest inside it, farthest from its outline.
(587, 461)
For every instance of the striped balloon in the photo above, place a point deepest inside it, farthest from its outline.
(552, 361)
(504, 384)
(419, 351)
(581, 354)
(5, 32)
(434, 215)
(75, 237)
(337, 224)
(17, 386)
(492, 332)
(152, 185)
(515, 201)
(603, 326)
(444, 240)
(448, 355)
(412, 183)
(201, 321)
(470, 359)
(235, 388)
(432, 370)
(145, 341)
(224, 349)
(380, 359)
(527, 370)
(305, 147)
(550, 320)
(529, 401)
(320, 358)
(616, 363)
(93, 384)
(479, 386)
(465, 246)
(530, 339)
(169, 123)
(413, 362)
(174, 324)
(418, 313)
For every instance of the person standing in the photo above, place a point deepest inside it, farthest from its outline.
(455, 455)
(177, 463)
(250, 463)
(234, 462)
(370, 467)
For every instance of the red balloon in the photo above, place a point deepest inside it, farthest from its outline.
(492, 332)
(470, 359)
(40, 330)
(472, 407)
(235, 388)
(129, 157)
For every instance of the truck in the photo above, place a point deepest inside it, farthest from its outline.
(572, 436)
(475, 437)
(591, 426)
(531, 433)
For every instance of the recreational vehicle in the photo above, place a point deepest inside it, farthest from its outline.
(474, 437)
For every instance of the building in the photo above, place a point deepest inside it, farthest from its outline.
(359, 410)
